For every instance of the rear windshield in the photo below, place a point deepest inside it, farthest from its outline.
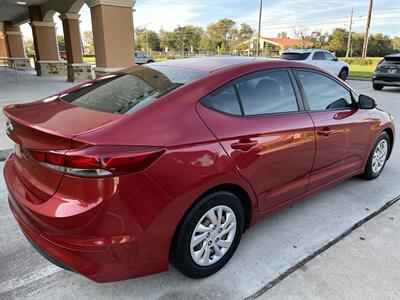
(295, 56)
(391, 59)
(125, 93)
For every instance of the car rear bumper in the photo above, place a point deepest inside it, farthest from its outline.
(386, 79)
(70, 242)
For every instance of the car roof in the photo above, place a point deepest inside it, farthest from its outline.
(393, 55)
(305, 50)
(211, 64)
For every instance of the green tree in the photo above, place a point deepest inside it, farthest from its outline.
(396, 43)
(222, 33)
(379, 45)
(88, 44)
(246, 32)
(357, 41)
(182, 38)
(147, 39)
(61, 43)
(337, 41)
(29, 48)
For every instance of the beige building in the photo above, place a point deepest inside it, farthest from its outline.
(112, 25)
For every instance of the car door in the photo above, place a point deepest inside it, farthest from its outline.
(342, 130)
(319, 59)
(331, 63)
(139, 58)
(260, 122)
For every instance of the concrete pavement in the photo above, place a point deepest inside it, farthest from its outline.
(271, 248)
(29, 88)
(364, 265)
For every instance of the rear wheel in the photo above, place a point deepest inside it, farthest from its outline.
(377, 87)
(209, 235)
(378, 157)
(343, 74)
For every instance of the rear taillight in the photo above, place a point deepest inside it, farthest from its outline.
(99, 161)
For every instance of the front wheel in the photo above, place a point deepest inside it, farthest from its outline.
(343, 74)
(378, 157)
(377, 87)
(208, 235)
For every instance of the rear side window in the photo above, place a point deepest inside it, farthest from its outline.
(322, 92)
(266, 93)
(295, 56)
(319, 56)
(125, 93)
(224, 100)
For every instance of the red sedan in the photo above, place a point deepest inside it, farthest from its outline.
(172, 161)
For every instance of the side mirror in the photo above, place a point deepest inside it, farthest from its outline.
(366, 102)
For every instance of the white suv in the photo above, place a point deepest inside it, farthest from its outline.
(320, 58)
(141, 58)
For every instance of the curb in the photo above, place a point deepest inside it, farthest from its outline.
(325, 247)
(4, 154)
(358, 79)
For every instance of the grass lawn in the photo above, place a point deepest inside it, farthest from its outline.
(89, 59)
(361, 71)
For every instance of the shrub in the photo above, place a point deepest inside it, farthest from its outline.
(357, 61)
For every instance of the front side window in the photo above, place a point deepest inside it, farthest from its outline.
(125, 93)
(329, 56)
(224, 100)
(266, 93)
(322, 92)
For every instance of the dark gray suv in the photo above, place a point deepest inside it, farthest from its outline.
(387, 72)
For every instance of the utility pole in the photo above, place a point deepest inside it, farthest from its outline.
(259, 28)
(348, 51)
(365, 46)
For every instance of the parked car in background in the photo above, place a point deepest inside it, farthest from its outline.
(321, 58)
(63, 55)
(141, 58)
(387, 72)
(172, 161)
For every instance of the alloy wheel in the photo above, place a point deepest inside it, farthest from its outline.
(213, 235)
(380, 155)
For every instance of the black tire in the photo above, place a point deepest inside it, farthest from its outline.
(180, 255)
(150, 61)
(343, 74)
(377, 87)
(369, 172)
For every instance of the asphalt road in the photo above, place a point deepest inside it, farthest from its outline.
(265, 252)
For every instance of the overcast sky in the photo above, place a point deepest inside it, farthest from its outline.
(278, 15)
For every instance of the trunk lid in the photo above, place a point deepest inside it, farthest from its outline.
(47, 125)
(390, 65)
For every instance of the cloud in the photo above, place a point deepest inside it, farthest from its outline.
(278, 15)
